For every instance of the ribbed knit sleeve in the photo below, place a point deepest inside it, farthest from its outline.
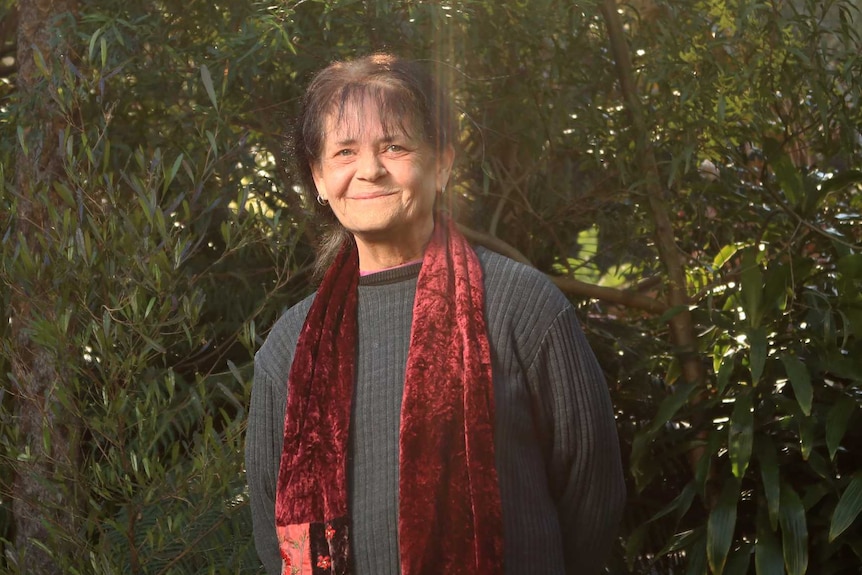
(584, 470)
(264, 437)
(262, 454)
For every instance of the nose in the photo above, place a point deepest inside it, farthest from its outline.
(370, 167)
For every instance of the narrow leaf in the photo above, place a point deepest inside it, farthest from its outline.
(741, 433)
(720, 527)
(800, 380)
(725, 370)
(208, 85)
(724, 255)
(769, 474)
(752, 286)
(757, 353)
(848, 508)
(794, 532)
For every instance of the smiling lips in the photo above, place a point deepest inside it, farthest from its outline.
(371, 195)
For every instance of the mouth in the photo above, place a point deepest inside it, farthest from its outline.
(372, 195)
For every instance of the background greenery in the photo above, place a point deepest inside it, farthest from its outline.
(688, 171)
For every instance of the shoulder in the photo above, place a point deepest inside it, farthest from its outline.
(523, 307)
(524, 288)
(276, 353)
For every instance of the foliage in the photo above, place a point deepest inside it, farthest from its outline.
(176, 239)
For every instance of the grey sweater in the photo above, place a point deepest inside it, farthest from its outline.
(558, 461)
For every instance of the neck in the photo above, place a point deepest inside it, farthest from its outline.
(383, 253)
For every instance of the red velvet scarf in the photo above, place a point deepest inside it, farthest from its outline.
(449, 499)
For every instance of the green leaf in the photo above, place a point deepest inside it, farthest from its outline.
(720, 527)
(848, 508)
(725, 370)
(767, 553)
(724, 254)
(800, 380)
(837, 421)
(696, 555)
(850, 266)
(752, 287)
(739, 560)
(673, 312)
(769, 474)
(757, 353)
(670, 405)
(789, 178)
(172, 173)
(741, 433)
(794, 532)
(208, 85)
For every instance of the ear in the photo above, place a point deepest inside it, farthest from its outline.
(444, 165)
(317, 176)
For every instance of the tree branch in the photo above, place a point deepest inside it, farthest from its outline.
(572, 286)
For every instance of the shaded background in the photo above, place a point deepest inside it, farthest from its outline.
(688, 172)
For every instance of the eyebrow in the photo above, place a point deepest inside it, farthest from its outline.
(352, 141)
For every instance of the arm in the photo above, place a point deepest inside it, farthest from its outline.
(262, 452)
(584, 467)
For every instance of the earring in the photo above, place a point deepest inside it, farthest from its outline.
(321, 200)
(443, 190)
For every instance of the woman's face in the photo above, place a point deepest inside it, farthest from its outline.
(381, 186)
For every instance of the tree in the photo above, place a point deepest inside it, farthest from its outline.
(688, 172)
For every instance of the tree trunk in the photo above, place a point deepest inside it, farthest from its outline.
(682, 329)
(43, 504)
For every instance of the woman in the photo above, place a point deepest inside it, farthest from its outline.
(431, 408)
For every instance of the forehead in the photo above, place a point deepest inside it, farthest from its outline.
(365, 116)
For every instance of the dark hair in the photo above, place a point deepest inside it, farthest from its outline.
(407, 98)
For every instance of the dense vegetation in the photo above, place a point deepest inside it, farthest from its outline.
(689, 173)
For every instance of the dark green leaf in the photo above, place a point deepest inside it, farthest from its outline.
(752, 287)
(794, 532)
(769, 474)
(836, 423)
(757, 353)
(800, 380)
(724, 373)
(767, 551)
(208, 85)
(741, 433)
(720, 527)
(848, 508)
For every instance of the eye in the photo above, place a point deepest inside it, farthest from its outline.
(344, 152)
(395, 148)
